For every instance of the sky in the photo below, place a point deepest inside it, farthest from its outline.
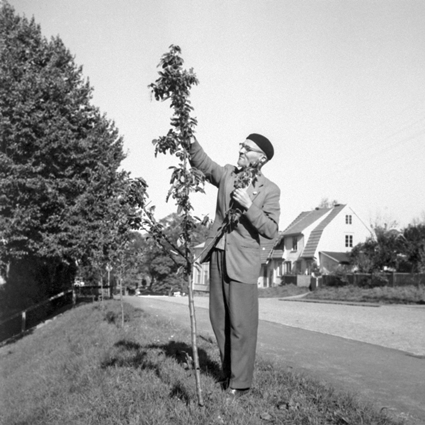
(337, 86)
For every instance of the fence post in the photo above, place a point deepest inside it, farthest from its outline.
(101, 289)
(24, 320)
(74, 297)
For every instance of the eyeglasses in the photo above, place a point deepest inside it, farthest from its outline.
(248, 148)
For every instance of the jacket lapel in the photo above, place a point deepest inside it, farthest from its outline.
(255, 188)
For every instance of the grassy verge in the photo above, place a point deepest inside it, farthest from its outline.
(281, 291)
(83, 368)
(385, 295)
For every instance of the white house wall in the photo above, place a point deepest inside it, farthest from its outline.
(333, 236)
(275, 266)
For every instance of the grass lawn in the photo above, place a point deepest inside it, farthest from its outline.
(84, 368)
(282, 291)
(411, 294)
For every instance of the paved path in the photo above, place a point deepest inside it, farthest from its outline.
(377, 352)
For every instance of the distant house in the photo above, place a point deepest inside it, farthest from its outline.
(321, 237)
(201, 273)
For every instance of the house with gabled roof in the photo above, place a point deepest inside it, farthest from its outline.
(201, 274)
(321, 237)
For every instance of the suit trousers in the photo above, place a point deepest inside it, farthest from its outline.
(233, 310)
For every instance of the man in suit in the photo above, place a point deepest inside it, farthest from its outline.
(243, 214)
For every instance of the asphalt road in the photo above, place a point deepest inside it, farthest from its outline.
(375, 352)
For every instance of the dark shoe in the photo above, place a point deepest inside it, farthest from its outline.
(234, 393)
(224, 383)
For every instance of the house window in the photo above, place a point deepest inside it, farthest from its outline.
(288, 267)
(348, 219)
(348, 241)
(294, 244)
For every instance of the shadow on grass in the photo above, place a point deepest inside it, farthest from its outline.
(127, 353)
(183, 354)
(180, 393)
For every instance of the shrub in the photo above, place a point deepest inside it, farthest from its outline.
(373, 281)
(341, 275)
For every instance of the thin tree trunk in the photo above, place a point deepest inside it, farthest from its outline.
(189, 264)
(194, 344)
(122, 304)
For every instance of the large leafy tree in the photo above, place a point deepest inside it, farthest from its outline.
(401, 251)
(415, 253)
(383, 251)
(59, 159)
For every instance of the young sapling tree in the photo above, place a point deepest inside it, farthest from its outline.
(174, 84)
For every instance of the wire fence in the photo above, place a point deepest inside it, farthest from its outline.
(93, 293)
(31, 317)
(22, 322)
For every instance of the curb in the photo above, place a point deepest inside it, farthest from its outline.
(302, 300)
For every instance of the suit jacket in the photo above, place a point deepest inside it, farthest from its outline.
(242, 244)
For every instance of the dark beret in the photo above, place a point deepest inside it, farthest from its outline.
(263, 143)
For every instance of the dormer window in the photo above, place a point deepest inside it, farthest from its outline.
(348, 219)
(294, 243)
